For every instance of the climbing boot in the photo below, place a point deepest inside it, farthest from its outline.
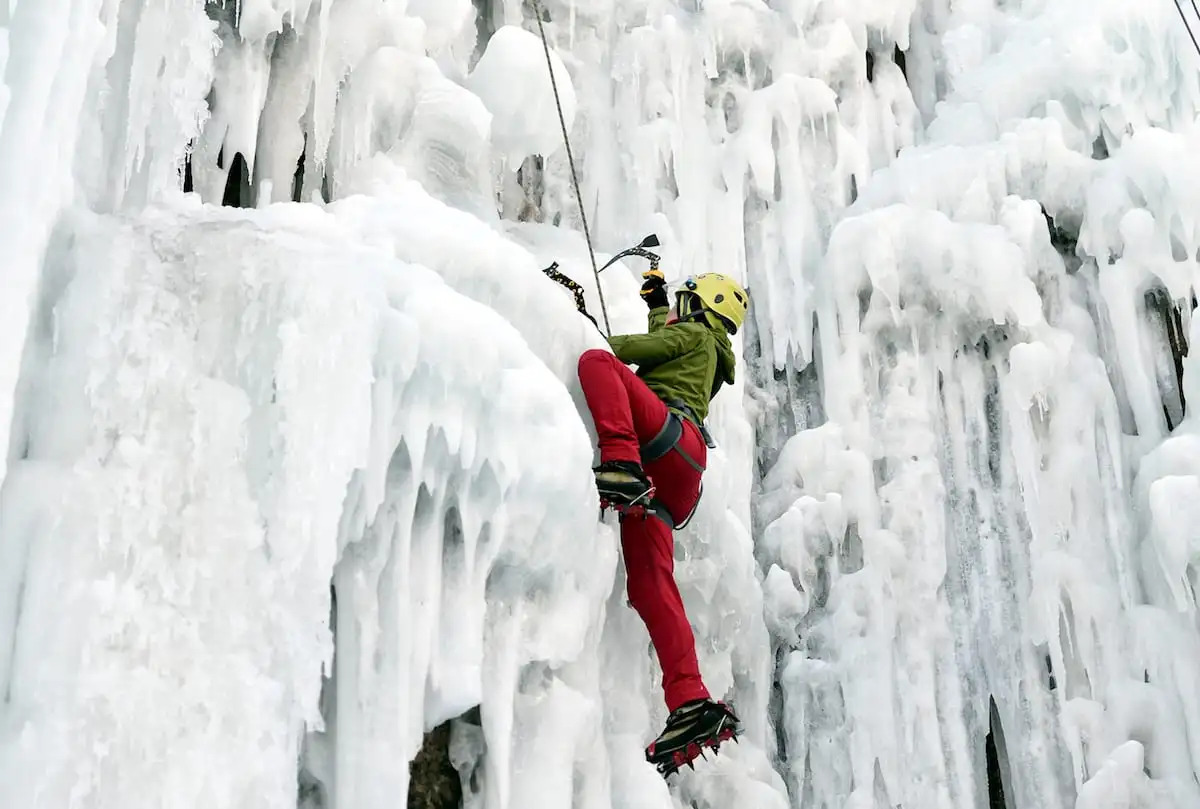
(623, 483)
(691, 729)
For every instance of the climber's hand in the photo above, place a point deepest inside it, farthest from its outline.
(654, 289)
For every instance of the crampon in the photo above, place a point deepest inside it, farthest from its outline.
(668, 765)
(635, 508)
(669, 755)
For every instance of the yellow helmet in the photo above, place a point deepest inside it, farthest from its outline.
(720, 295)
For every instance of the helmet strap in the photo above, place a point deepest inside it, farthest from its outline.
(689, 307)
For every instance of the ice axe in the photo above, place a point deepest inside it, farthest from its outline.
(639, 249)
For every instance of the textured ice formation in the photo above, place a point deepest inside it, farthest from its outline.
(285, 488)
(513, 80)
(989, 595)
(194, 480)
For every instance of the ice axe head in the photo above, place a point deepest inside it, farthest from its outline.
(638, 250)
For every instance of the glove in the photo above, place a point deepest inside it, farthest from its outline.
(654, 289)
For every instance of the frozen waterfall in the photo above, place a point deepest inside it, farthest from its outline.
(296, 469)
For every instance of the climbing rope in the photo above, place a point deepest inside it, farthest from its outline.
(1186, 24)
(537, 10)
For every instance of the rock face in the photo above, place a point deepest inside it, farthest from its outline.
(434, 782)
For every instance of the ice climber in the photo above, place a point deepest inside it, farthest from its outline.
(653, 448)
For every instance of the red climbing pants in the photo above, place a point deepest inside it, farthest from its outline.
(627, 414)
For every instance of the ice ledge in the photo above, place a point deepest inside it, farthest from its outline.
(222, 412)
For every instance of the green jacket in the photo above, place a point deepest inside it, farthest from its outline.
(688, 361)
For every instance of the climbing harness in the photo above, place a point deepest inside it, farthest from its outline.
(666, 440)
(537, 12)
(679, 406)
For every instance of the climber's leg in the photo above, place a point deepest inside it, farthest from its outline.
(648, 547)
(625, 411)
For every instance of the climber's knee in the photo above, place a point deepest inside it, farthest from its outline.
(594, 356)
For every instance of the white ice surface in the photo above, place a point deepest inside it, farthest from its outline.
(512, 79)
(986, 543)
(970, 456)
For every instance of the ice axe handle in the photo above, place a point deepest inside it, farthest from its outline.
(654, 258)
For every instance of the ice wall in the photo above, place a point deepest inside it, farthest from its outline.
(965, 433)
(32, 40)
(970, 539)
(291, 486)
(181, 496)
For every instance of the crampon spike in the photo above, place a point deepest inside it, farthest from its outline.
(636, 508)
(672, 762)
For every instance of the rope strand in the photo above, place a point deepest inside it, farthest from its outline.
(537, 10)
(1187, 25)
